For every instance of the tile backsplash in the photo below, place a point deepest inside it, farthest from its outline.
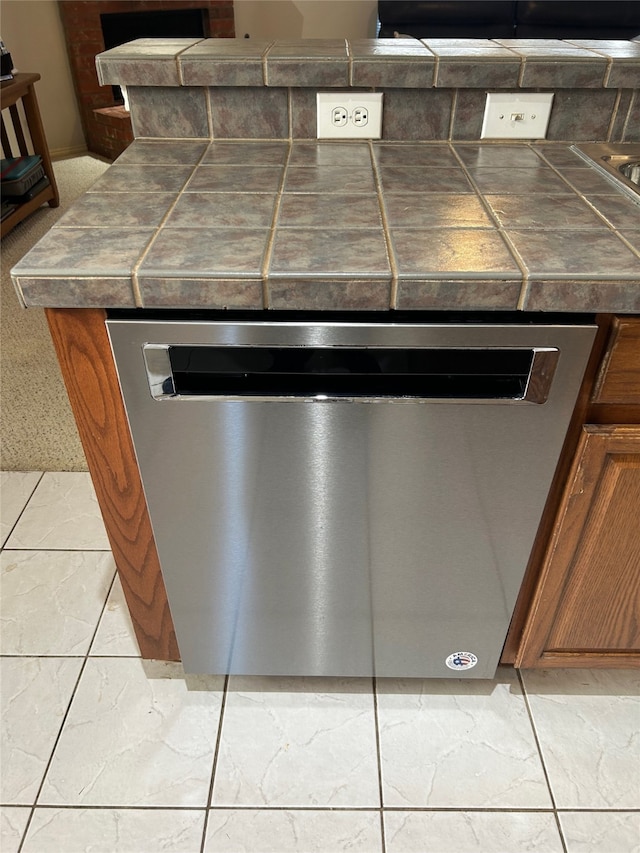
(259, 112)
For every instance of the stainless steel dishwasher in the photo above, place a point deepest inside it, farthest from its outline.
(346, 497)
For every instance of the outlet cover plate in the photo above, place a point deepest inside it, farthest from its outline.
(516, 115)
(355, 105)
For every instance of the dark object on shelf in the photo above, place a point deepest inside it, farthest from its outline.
(35, 190)
(19, 174)
(6, 63)
(601, 19)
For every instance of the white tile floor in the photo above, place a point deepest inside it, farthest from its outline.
(104, 752)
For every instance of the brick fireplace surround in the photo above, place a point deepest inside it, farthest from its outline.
(106, 125)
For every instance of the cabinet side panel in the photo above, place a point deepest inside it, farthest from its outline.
(84, 354)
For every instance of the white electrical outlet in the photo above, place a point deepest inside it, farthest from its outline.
(349, 115)
(516, 116)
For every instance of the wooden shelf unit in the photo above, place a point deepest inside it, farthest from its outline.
(29, 138)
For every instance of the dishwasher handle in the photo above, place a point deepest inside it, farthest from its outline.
(197, 371)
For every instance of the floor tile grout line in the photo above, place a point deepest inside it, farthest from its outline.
(376, 720)
(22, 511)
(214, 765)
(66, 714)
(313, 808)
(538, 743)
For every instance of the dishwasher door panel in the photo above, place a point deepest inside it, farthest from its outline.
(342, 537)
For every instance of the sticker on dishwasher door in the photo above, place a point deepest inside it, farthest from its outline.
(461, 661)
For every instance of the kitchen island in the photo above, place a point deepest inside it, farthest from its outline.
(233, 205)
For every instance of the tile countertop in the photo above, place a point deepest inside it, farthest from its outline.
(342, 225)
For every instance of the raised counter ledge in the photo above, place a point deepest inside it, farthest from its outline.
(342, 225)
(404, 63)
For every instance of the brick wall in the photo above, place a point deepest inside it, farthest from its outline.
(107, 130)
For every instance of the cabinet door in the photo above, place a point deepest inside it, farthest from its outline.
(586, 607)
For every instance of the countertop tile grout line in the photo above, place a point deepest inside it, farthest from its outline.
(268, 252)
(386, 233)
(137, 294)
(524, 270)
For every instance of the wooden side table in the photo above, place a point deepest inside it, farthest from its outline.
(30, 139)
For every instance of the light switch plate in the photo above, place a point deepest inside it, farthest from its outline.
(516, 116)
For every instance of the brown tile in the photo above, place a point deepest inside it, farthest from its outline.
(138, 72)
(332, 179)
(445, 254)
(388, 49)
(562, 67)
(619, 210)
(79, 252)
(303, 113)
(142, 179)
(408, 154)
(223, 210)
(149, 152)
(159, 109)
(492, 155)
(398, 63)
(477, 68)
(623, 75)
(621, 118)
(411, 114)
(561, 156)
(126, 210)
(330, 154)
(75, 292)
(467, 295)
(312, 62)
(201, 293)
(588, 180)
(143, 62)
(247, 152)
(320, 253)
(468, 113)
(223, 178)
(581, 114)
(224, 62)
(566, 254)
(435, 210)
(632, 235)
(208, 252)
(543, 212)
(315, 210)
(329, 295)
(632, 127)
(620, 48)
(250, 112)
(519, 181)
(423, 179)
(606, 297)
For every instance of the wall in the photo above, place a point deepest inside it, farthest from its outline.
(294, 19)
(32, 32)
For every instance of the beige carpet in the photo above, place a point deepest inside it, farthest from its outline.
(37, 429)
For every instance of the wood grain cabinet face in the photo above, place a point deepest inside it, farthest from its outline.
(586, 609)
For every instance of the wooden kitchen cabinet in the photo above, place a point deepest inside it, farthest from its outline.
(585, 607)
(26, 127)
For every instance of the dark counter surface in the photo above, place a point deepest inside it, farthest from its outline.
(343, 226)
